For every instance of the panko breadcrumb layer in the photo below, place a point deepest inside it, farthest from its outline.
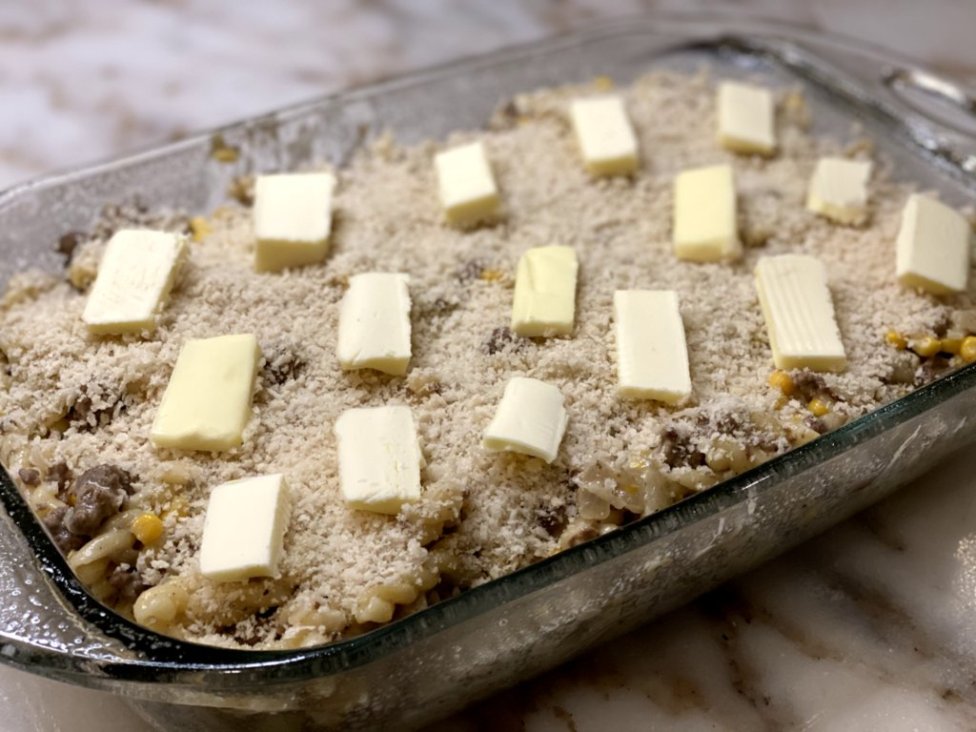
(73, 401)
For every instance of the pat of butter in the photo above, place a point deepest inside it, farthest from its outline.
(545, 292)
(933, 247)
(379, 458)
(134, 278)
(244, 529)
(292, 219)
(652, 355)
(467, 187)
(530, 419)
(606, 139)
(839, 190)
(374, 323)
(208, 399)
(705, 227)
(745, 118)
(799, 313)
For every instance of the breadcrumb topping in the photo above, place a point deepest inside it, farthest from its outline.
(482, 514)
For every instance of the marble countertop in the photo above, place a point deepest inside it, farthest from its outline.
(869, 627)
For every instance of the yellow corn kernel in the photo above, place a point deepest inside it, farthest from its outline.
(951, 345)
(221, 151)
(968, 349)
(199, 228)
(818, 407)
(603, 83)
(927, 346)
(491, 275)
(896, 339)
(147, 528)
(782, 381)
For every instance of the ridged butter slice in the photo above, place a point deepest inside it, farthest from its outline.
(134, 278)
(544, 303)
(374, 323)
(933, 247)
(799, 313)
(467, 186)
(244, 529)
(606, 139)
(207, 402)
(705, 228)
(652, 355)
(530, 419)
(379, 458)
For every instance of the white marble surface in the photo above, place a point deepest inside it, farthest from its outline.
(869, 627)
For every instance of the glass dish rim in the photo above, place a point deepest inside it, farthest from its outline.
(165, 659)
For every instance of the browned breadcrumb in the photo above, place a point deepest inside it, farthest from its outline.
(482, 514)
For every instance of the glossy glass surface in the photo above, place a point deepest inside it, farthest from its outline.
(434, 661)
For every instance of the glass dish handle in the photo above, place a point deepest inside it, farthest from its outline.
(909, 81)
(940, 101)
(939, 113)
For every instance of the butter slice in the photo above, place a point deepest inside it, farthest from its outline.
(933, 247)
(705, 227)
(746, 118)
(134, 278)
(545, 292)
(379, 458)
(374, 323)
(467, 187)
(244, 529)
(292, 219)
(839, 190)
(799, 313)
(530, 419)
(605, 136)
(652, 355)
(207, 402)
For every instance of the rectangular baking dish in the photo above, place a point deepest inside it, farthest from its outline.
(432, 662)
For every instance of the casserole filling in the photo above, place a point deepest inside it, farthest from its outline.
(77, 408)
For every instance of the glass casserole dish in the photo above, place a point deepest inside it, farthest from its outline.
(434, 661)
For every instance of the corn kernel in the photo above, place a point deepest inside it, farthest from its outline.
(818, 407)
(221, 151)
(927, 346)
(951, 345)
(968, 349)
(896, 339)
(782, 381)
(199, 228)
(491, 275)
(603, 83)
(147, 528)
